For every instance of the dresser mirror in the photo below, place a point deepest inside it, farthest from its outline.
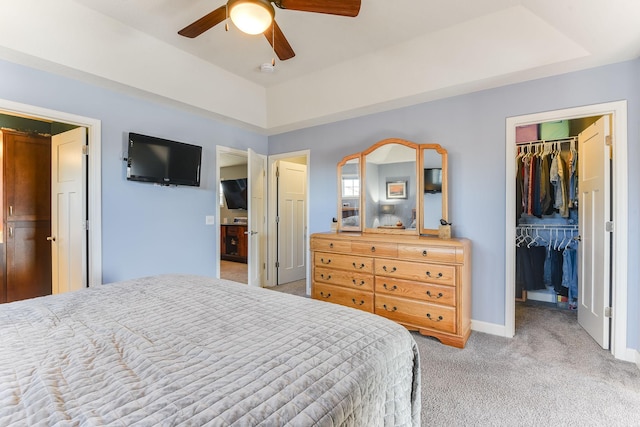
(434, 187)
(349, 185)
(395, 186)
(390, 187)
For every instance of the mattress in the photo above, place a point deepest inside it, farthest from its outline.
(188, 350)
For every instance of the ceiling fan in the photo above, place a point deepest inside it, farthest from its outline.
(258, 16)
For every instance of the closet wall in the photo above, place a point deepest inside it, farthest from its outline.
(547, 211)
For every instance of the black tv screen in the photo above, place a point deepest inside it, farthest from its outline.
(164, 162)
(235, 193)
(433, 180)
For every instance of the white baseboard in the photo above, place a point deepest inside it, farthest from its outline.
(488, 328)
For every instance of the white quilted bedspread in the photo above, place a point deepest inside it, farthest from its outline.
(192, 351)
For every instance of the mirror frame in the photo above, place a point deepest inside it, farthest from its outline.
(445, 185)
(343, 162)
(363, 179)
(419, 202)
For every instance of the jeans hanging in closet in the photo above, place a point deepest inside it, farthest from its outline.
(530, 267)
(570, 273)
(557, 264)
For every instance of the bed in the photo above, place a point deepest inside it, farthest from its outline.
(190, 350)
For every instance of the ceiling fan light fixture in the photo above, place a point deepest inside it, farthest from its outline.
(251, 16)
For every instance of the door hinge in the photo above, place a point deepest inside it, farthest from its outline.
(277, 220)
(85, 225)
(277, 264)
(85, 150)
(607, 140)
(608, 226)
(608, 312)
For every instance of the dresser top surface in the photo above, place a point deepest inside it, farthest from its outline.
(407, 239)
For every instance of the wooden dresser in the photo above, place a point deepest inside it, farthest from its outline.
(420, 282)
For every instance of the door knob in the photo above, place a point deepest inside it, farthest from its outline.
(251, 233)
(51, 238)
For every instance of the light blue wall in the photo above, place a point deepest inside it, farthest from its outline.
(146, 229)
(472, 129)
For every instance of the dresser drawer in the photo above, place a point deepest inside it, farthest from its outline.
(336, 245)
(427, 253)
(417, 314)
(423, 272)
(445, 295)
(343, 262)
(375, 248)
(338, 295)
(360, 281)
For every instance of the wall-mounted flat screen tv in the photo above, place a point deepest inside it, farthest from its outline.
(235, 193)
(433, 180)
(162, 161)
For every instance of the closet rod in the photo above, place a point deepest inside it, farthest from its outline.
(540, 141)
(548, 226)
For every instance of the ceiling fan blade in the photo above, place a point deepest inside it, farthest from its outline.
(206, 22)
(332, 7)
(282, 47)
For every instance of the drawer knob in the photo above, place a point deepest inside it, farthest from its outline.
(424, 253)
(392, 309)
(438, 276)
(325, 262)
(323, 295)
(392, 269)
(435, 296)
(356, 302)
(331, 245)
(362, 282)
(325, 278)
(389, 288)
(359, 267)
(373, 248)
(434, 319)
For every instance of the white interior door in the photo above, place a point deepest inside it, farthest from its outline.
(292, 195)
(68, 201)
(256, 225)
(594, 255)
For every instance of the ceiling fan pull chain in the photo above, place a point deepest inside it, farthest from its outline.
(273, 44)
(226, 21)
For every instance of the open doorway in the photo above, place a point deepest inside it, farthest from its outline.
(615, 115)
(288, 213)
(233, 214)
(86, 256)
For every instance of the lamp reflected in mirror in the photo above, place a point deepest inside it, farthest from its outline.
(387, 210)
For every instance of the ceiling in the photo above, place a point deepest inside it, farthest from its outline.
(394, 53)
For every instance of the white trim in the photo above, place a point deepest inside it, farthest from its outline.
(271, 216)
(94, 177)
(618, 110)
(487, 328)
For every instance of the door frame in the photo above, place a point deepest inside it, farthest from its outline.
(272, 234)
(93, 176)
(618, 111)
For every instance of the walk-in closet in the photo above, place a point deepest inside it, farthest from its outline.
(549, 262)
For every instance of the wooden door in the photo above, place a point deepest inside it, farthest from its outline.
(27, 214)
